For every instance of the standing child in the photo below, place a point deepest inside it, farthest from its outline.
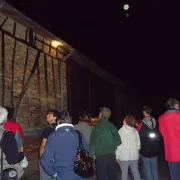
(127, 154)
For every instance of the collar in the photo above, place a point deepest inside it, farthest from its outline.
(172, 110)
(103, 119)
(63, 125)
(128, 127)
(81, 122)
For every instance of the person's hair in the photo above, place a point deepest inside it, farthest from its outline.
(83, 117)
(10, 113)
(147, 109)
(64, 117)
(130, 121)
(54, 112)
(105, 112)
(171, 103)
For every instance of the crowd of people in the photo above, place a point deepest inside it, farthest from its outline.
(134, 148)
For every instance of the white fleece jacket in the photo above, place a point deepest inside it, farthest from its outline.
(129, 149)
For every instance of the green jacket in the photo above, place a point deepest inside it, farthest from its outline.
(104, 139)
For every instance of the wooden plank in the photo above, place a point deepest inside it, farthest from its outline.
(38, 77)
(61, 84)
(50, 46)
(3, 69)
(25, 66)
(27, 83)
(46, 75)
(1, 26)
(12, 74)
(54, 86)
(14, 29)
(26, 35)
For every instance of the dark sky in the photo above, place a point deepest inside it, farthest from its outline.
(142, 50)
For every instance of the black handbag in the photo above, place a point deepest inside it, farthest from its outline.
(83, 165)
(9, 173)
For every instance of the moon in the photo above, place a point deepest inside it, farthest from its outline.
(126, 7)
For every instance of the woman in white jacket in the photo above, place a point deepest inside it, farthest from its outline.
(127, 154)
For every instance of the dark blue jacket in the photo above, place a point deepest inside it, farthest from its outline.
(60, 152)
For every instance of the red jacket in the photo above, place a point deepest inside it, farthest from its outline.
(169, 126)
(13, 127)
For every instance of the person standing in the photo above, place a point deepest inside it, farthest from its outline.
(59, 155)
(12, 159)
(103, 143)
(150, 138)
(51, 118)
(127, 154)
(169, 125)
(14, 127)
(83, 125)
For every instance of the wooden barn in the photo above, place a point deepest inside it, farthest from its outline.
(40, 71)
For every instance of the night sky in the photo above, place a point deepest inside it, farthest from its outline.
(141, 50)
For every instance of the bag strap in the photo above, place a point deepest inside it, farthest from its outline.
(2, 140)
(79, 138)
(153, 123)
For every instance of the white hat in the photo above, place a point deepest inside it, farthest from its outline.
(3, 114)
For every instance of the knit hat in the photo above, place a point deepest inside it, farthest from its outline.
(3, 114)
(105, 112)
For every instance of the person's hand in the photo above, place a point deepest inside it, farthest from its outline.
(22, 149)
(118, 161)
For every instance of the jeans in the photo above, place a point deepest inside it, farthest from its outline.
(44, 175)
(134, 169)
(150, 168)
(106, 167)
(174, 169)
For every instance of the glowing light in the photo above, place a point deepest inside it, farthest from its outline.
(152, 135)
(56, 43)
(126, 7)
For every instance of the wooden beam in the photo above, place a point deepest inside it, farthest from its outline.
(25, 42)
(39, 83)
(1, 26)
(12, 74)
(54, 86)
(46, 75)
(14, 29)
(27, 83)
(26, 35)
(39, 89)
(61, 84)
(25, 66)
(3, 69)
(50, 46)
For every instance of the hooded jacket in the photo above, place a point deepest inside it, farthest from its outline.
(150, 146)
(129, 149)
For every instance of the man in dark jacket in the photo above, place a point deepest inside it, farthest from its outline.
(103, 143)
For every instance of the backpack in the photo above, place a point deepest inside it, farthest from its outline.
(10, 173)
(150, 141)
(83, 164)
